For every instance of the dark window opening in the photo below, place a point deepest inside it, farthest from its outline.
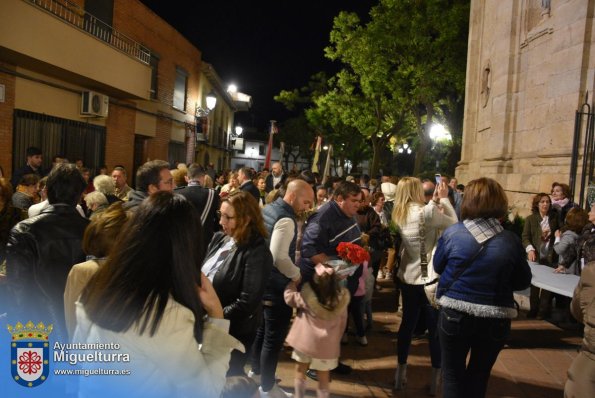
(54, 135)
(180, 89)
(176, 153)
(154, 63)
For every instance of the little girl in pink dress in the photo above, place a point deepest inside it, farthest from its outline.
(317, 329)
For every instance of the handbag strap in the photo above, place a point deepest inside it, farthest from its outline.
(463, 267)
(423, 255)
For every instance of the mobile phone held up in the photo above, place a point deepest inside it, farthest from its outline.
(438, 178)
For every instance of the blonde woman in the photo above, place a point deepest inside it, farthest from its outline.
(233, 184)
(208, 181)
(415, 219)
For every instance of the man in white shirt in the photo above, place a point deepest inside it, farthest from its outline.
(280, 221)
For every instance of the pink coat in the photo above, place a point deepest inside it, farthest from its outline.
(361, 284)
(316, 331)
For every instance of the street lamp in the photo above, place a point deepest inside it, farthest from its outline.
(405, 148)
(236, 142)
(211, 103)
(439, 136)
(200, 113)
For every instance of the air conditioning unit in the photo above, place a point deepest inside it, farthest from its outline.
(94, 104)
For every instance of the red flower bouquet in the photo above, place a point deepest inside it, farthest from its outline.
(353, 253)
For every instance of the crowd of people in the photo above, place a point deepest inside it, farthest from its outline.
(212, 273)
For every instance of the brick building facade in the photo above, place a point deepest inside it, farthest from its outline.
(51, 53)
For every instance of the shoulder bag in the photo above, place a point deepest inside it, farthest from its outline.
(431, 287)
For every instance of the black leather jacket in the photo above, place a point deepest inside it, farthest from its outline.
(240, 282)
(40, 253)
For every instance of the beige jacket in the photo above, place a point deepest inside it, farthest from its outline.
(583, 307)
(170, 363)
(78, 277)
(435, 222)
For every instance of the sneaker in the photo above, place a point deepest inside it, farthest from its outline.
(389, 276)
(363, 341)
(380, 274)
(342, 369)
(254, 377)
(275, 392)
(344, 339)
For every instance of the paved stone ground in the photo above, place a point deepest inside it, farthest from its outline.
(532, 365)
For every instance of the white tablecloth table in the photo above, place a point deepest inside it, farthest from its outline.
(545, 278)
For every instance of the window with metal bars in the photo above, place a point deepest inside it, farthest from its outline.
(54, 135)
(176, 153)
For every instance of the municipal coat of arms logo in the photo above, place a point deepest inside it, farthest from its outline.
(30, 353)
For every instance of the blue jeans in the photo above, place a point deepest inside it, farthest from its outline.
(269, 341)
(415, 304)
(460, 333)
(355, 310)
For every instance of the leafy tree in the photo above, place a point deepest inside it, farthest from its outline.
(428, 41)
(317, 120)
(347, 143)
(400, 72)
(297, 135)
(297, 132)
(398, 67)
(362, 94)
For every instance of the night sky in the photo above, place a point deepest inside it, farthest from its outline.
(263, 46)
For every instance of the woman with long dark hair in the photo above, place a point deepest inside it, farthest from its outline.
(150, 298)
(238, 263)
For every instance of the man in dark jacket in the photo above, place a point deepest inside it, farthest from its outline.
(245, 176)
(280, 222)
(33, 166)
(151, 177)
(332, 224)
(205, 200)
(41, 251)
(276, 177)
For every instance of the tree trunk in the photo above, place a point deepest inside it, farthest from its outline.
(376, 150)
(425, 143)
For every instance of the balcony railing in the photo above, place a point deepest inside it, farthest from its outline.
(79, 18)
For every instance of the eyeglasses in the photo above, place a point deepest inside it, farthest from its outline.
(224, 216)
